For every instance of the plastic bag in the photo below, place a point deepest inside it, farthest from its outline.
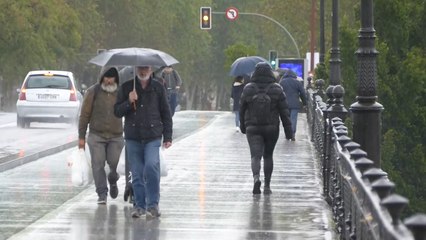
(121, 167)
(163, 166)
(81, 174)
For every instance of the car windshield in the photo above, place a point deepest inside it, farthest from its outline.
(42, 81)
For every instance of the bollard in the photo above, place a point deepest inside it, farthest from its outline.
(417, 225)
(382, 187)
(374, 174)
(395, 204)
(363, 164)
(350, 146)
(357, 154)
(343, 139)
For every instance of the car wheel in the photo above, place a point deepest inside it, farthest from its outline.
(20, 122)
(27, 123)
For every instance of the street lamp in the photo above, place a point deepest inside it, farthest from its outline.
(366, 111)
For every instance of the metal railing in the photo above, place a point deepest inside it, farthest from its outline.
(361, 196)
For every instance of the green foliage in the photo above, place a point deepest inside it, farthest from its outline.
(238, 50)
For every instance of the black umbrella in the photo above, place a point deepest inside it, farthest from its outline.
(245, 65)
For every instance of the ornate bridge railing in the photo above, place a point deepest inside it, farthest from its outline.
(361, 196)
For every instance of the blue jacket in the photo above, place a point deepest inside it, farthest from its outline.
(293, 90)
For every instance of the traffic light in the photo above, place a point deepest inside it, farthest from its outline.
(205, 17)
(273, 55)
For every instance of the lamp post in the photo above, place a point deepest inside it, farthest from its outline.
(335, 61)
(322, 35)
(366, 111)
(336, 109)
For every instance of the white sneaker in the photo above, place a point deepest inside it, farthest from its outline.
(237, 129)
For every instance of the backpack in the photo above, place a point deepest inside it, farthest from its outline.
(261, 106)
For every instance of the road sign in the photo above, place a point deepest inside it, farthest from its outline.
(231, 13)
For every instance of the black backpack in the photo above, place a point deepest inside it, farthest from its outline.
(260, 110)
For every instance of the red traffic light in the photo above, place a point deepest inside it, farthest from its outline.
(205, 18)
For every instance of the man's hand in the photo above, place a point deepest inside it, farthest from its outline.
(167, 144)
(81, 144)
(133, 96)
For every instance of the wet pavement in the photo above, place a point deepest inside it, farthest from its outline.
(206, 195)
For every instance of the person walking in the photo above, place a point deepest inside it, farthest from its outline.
(293, 89)
(173, 83)
(237, 90)
(148, 121)
(262, 104)
(105, 138)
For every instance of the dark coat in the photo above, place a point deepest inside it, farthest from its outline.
(293, 89)
(237, 90)
(152, 118)
(97, 110)
(279, 107)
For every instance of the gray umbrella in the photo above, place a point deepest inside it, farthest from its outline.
(245, 65)
(134, 57)
(128, 73)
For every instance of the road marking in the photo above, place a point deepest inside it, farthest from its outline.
(8, 125)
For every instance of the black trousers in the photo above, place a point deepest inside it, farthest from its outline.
(262, 141)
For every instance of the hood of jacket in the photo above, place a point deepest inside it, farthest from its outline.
(109, 72)
(263, 74)
(290, 74)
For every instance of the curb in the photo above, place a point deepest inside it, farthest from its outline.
(10, 163)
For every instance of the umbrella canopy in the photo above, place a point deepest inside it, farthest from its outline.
(134, 57)
(128, 73)
(245, 65)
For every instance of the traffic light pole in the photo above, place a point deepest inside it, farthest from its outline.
(270, 19)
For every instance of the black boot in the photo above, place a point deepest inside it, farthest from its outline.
(257, 183)
(267, 188)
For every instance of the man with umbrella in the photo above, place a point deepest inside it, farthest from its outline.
(148, 124)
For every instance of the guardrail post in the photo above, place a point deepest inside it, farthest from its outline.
(383, 187)
(417, 225)
(395, 204)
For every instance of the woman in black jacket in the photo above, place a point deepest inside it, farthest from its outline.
(262, 104)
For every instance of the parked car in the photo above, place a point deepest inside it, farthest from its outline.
(48, 96)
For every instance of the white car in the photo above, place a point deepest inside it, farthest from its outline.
(48, 96)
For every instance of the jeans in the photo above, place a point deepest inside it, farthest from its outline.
(173, 101)
(293, 119)
(144, 159)
(262, 141)
(101, 150)
(237, 118)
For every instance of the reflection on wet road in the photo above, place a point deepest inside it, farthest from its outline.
(206, 195)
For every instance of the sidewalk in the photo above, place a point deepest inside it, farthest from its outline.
(207, 195)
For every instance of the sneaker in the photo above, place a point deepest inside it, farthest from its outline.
(293, 139)
(267, 190)
(102, 200)
(237, 129)
(153, 212)
(256, 187)
(138, 212)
